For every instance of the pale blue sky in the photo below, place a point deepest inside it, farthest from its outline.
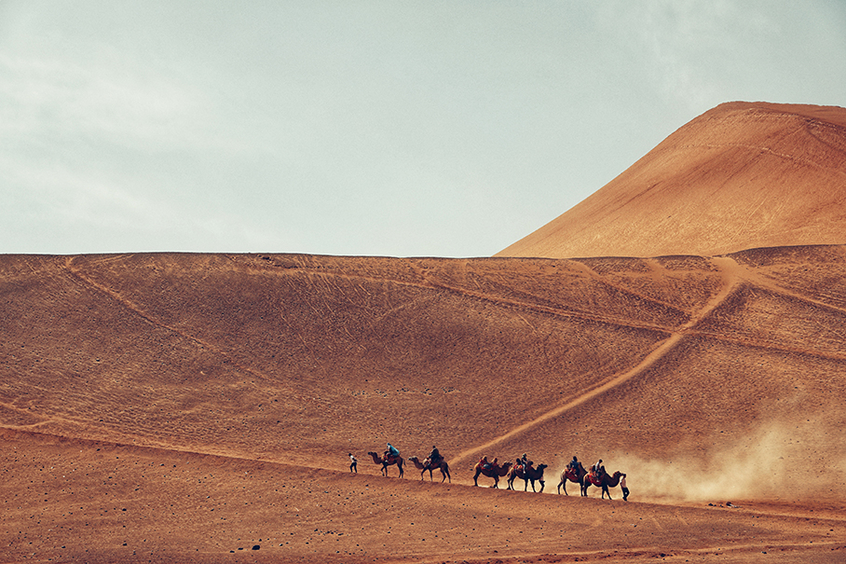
(364, 128)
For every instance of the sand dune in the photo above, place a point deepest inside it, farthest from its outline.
(200, 407)
(740, 176)
(214, 398)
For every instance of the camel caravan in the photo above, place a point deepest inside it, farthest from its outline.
(522, 468)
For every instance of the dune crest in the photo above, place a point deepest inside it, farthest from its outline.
(740, 176)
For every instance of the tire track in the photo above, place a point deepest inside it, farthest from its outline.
(149, 446)
(116, 297)
(728, 269)
(427, 283)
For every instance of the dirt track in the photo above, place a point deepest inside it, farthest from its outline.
(206, 375)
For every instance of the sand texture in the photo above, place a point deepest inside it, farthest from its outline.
(168, 407)
(201, 407)
(740, 176)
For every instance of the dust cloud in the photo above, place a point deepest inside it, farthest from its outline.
(781, 460)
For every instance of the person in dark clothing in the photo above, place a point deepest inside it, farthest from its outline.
(353, 463)
(435, 456)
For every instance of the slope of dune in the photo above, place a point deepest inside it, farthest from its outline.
(167, 407)
(740, 176)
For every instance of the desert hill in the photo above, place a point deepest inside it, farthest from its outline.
(166, 407)
(740, 176)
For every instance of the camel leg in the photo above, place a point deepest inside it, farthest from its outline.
(476, 479)
(542, 483)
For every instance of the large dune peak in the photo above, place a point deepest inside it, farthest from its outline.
(742, 175)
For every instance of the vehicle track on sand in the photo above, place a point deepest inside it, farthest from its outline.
(137, 310)
(146, 446)
(427, 282)
(729, 270)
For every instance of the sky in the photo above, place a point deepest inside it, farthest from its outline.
(445, 129)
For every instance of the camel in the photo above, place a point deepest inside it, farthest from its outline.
(533, 474)
(426, 465)
(385, 462)
(492, 472)
(574, 475)
(604, 481)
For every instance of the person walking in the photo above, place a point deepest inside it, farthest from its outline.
(353, 463)
(623, 486)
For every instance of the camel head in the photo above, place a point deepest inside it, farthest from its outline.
(413, 458)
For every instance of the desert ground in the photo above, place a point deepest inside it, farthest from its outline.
(168, 407)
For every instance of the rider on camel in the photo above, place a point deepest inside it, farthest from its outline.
(485, 464)
(524, 462)
(435, 457)
(391, 453)
(573, 464)
(597, 469)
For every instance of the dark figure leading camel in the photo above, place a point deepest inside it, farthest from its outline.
(427, 465)
(385, 462)
(576, 475)
(603, 481)
(491, 471)
(526, 474)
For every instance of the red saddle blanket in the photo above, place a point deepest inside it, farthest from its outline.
(594, 479)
